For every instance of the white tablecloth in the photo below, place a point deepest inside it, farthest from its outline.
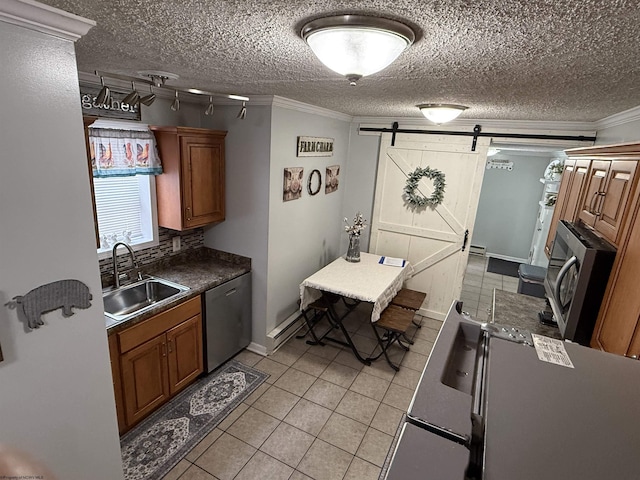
(366, 280)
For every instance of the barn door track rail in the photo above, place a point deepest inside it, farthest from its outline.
(476, 133)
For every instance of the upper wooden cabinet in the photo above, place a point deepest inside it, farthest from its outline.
(606, 196)
(191, 190)
(610, 204)
(569, 196)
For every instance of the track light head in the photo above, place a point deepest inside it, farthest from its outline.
(133, 97)
(104, 96)
(209, 110)
(243, 111)
(148, 99)
(175, 106)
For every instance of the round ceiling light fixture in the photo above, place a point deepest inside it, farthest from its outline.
(356, 45)
(441, 112)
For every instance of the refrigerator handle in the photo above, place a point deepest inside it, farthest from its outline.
(561, 274)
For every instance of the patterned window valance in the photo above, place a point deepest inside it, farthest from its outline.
(119, 153)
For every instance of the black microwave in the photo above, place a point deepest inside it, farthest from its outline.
(577, 276)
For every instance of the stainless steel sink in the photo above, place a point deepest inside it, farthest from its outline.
(123, 303)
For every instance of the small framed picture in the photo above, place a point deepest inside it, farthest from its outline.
(331, 179)
(292, 185)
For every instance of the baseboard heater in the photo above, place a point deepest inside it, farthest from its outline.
(283, 332)
(477, 250)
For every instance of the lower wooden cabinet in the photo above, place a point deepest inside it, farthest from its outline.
(156, 359)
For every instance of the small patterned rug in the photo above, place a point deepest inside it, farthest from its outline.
(159, 442)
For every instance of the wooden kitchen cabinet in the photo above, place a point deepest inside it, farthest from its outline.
(144, 379)
(157, 358)
(191, 189)
(117, 381)
(610, 204)
(185, 360)
(569, 196)
(606, 196)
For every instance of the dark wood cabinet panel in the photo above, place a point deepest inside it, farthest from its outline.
(191, 191)
(144, 379)
(184, 343)
(156, 359)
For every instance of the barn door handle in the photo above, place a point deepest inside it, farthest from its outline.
(466, 238)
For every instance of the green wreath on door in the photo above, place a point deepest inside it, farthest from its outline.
(413, 179)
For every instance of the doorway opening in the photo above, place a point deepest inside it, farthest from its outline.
(516, 204)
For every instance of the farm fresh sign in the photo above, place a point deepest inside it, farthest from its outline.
(315, 147)
(115, 109)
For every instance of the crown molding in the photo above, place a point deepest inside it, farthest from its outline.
(282, 102)
(45, 19)
(621, 118)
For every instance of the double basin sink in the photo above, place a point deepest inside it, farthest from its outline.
(125, 302)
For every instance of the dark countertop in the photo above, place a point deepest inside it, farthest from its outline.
(521, 311)
(199, 269)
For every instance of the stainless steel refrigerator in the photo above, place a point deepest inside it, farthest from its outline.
(495, 403)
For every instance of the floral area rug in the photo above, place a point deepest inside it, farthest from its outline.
(159, 442)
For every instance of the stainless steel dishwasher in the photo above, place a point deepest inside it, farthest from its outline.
(227, 320)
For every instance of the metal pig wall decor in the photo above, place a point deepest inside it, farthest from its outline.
(64, 294)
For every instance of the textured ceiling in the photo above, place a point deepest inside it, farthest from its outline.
(505, 59)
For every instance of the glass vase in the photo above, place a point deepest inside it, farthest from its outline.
(353, 252)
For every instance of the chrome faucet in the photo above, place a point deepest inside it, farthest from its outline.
(134, 262)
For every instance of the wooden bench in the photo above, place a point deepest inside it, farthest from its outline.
(395, 321)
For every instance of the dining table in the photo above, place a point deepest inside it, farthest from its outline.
(374, 279)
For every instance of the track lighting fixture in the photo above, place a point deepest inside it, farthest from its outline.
(148, 99)
(175, 106)
(105, 94)
(133, 97)
(209, 110)
(243, 111)
(158, 80)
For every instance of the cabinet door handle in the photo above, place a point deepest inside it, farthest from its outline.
(595, 195)
(170, 349)
(188, 213)
(164, 349)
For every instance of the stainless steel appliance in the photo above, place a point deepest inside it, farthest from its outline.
(576, 279)
(227, 320)
(489, 408)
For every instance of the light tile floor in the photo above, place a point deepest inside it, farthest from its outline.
(321, 414)
(478, 285)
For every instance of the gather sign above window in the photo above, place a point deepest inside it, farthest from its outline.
(115, 109)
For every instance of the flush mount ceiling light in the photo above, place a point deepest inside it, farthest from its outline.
(441, 112)
(356, 46)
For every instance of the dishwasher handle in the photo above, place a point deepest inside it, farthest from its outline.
(230, 292)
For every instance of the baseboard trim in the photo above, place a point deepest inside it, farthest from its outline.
(257, 348)
(507, 257)
(432, 314)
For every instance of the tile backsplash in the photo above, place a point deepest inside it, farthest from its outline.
(189, 239)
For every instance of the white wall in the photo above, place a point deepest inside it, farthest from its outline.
(245, 230)
(57, 396)
(361, 172)
(508, 206)
(628, 132)
(304, 234)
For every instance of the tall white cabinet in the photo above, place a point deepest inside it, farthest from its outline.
(545, 213)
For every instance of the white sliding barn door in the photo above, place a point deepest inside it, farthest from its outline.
(431, 239)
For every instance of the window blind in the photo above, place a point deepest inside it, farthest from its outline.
(118, 206)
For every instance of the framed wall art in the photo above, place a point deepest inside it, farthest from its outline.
(331, 179)
(292, 186)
